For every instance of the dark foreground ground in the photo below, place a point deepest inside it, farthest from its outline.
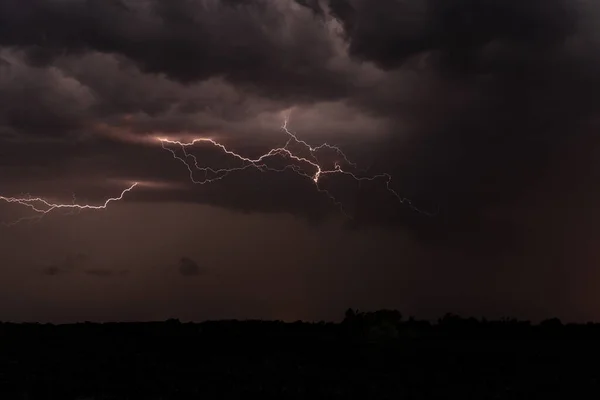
(368, 356)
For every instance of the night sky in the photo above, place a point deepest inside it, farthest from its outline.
(484, 112)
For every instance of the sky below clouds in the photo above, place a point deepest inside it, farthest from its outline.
(483, 112)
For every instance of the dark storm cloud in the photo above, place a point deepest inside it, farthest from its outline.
(503, 88)
(313, 5)
(477, 97)
(485, 109)
(41, 102)
(258, 44)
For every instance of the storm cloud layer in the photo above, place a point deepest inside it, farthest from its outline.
(462, 95)
(483, 110)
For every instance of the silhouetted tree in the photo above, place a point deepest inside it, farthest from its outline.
(350, 315)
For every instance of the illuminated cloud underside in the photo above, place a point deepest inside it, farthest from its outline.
(41, 206)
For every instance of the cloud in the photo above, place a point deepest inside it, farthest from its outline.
(52, 270)
(41, 101)
(497, 91)
(261, 45)
(80, 263)
(314, 5)
(188, 267)
(390, 32)
(484, 110)
(71, 263)
(105, 272)
(464, 102)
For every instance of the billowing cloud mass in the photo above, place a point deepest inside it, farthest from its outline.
(469, 100)
(483, 110)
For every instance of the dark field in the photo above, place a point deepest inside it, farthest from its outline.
(368, 356)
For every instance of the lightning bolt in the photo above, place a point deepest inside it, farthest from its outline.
(42, 207)
(311, 161)
(298, 163)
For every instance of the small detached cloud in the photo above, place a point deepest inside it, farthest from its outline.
(105, 272)
(188, 267)
(71, 263)
(80, 263)
(52, 270)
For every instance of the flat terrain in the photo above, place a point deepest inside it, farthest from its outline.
(172, 360)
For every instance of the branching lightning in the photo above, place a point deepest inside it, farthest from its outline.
(297, 162)
(42, 207)
(308, 166)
